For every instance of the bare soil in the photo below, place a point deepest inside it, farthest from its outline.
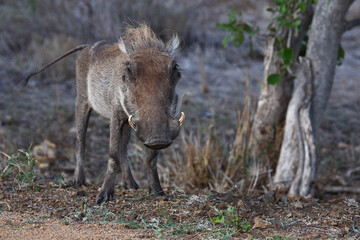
(44, 110)
(45, 210)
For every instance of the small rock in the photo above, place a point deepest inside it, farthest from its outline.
(289, 215)
(357, 149)
(343, 145)
(269, 197)
(284, 199)
(298, 205)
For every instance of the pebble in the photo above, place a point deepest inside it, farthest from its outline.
(269, 197)
(298, 205)
(284, 199)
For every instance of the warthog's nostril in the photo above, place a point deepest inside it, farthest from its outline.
(157, 144)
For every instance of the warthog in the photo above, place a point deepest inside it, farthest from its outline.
(131, 82)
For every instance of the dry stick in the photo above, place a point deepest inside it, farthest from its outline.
(336, 189)
(8, 158)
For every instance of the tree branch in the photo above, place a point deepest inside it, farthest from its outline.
(351, 24)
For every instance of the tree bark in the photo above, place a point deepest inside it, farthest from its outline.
(297, 161)
(296, 170)
(266, 131)
(324, 39)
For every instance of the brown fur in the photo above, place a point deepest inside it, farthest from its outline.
(135, 76)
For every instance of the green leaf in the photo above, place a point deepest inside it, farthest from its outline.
(226, 40)
(219, 219)
(340, 56)
(232, 16)
(273, 79)
(245, 226)
(249, 30)
(302, 6)
(287, 55)
(238, 38)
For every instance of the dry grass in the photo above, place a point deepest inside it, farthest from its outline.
(205, 160)
(33, 32)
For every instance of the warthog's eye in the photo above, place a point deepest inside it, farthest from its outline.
(133, 70)
(175, 73)
(128, 67)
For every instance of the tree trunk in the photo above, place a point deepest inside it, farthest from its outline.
(296, 170)
(324, 39)
(297, 161)
(266, 131)
(271, 110)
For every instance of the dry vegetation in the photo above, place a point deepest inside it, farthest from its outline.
(221, 85)
(35, 33)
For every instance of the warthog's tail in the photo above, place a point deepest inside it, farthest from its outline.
(78, 48)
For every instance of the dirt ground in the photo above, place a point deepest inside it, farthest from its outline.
(49, 210)
(214, 79)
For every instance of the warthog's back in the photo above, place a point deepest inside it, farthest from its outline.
(103, 69)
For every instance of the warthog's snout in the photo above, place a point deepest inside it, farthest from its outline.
(157, 144)
(159, 135)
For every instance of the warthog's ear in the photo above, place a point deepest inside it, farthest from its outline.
(173, 44)
(122, 45)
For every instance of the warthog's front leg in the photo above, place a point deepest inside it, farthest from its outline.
(119, 138)
(127, 176)
(82, 115)
(154, 182)
(107, 189)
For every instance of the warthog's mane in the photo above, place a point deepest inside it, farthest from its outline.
(142, 37)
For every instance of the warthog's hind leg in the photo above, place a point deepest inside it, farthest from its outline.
(82, 114)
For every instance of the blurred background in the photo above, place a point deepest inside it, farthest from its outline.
(220, 87)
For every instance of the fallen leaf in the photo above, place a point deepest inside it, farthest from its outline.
(259, 223)
(240, 203)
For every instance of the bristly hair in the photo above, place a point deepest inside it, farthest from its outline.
(142, 37)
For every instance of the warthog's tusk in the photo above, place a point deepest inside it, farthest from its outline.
(182, 118)
(131, 123)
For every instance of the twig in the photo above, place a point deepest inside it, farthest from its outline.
(351, 171)
(5, 154)
(342, 189)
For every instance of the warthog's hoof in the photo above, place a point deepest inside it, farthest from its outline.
(79, 183)
(104, 197)
(131, 184)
